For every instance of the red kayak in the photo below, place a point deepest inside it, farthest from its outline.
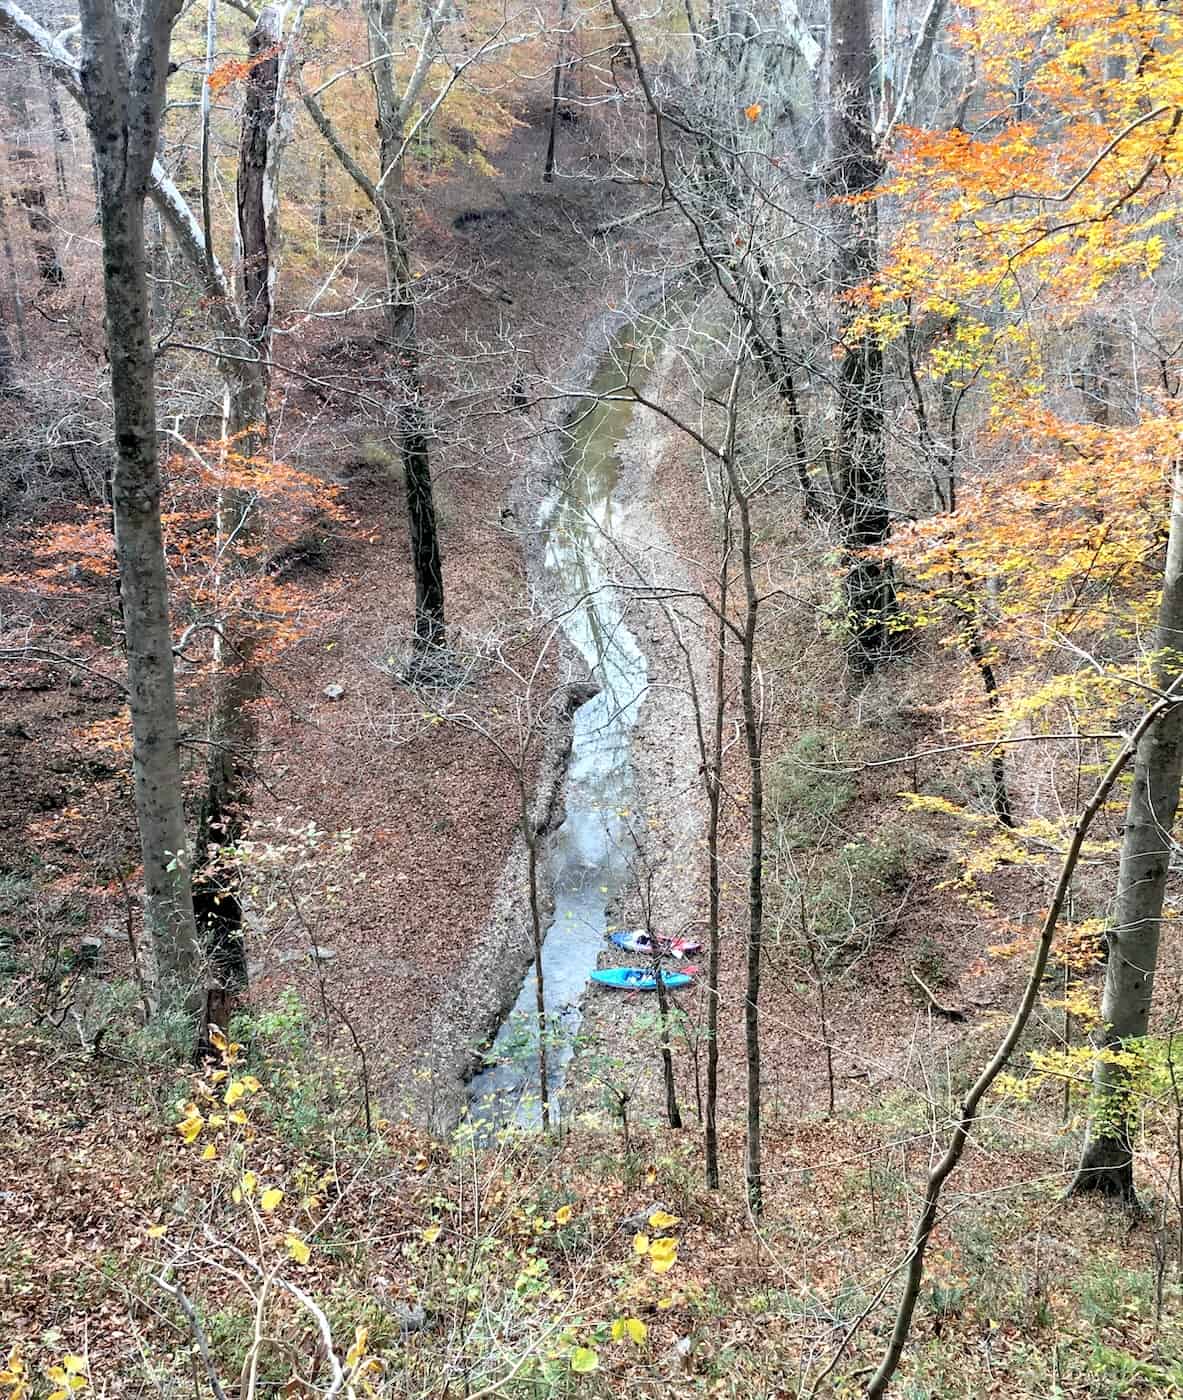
(638, 941)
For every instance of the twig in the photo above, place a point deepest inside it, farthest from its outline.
(175, 1292)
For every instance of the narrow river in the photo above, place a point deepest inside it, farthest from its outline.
(589, 854)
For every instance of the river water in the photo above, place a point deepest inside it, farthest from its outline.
(590, 853)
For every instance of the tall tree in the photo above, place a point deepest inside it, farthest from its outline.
(852, 169)
(556, 92)
(236, 682)
(124, 100)
(395, 100)
(29, 191)
(1107, 1162)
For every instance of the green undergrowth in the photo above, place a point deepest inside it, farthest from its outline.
(535, 1267)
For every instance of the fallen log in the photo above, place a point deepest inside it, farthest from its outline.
(950, 1013)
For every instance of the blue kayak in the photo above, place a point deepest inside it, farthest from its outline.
(638, 979)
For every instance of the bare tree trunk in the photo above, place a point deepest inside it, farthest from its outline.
(972, 633)
(429, 632)
(852, 169)
(124, 101)
(714, 789)
(253, 199)
(385, 195)
(548, 169)
(231, 730)
(753, 743)
(755, 950)
(61, 135)
(672, 1112)
(30, 189)
(1107, 1162)
(14, 283)
(211, 55)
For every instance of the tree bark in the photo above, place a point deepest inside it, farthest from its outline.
(753, 744)
(14, 284)
(393, 109)
(753, 1170)
(714, 790)
(852, 169)
(672, 1112)
(253, 200)
(237, 683)
(548, 168)
(1107, 1161)
(124, 101)
(61, 135)
(30, 189)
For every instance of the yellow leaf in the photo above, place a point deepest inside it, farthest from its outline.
(74, 1364)
(217, 1039)
(234, 1092)
(583, 1360)
(249, 1183)
(662, 1220)
(358, 1349)
(753, 112)
(270, 1199)
(210, 1153)
(563, 1215)
(237, 1116)
(155, 1231)
(663, 1255)
(431, 1234)
(297, 1249)
(190, 1125)
(631, 1327)
(250, 1083)
(218, 1075)
(640, 1244)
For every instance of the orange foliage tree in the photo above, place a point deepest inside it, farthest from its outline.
(1051, 434)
